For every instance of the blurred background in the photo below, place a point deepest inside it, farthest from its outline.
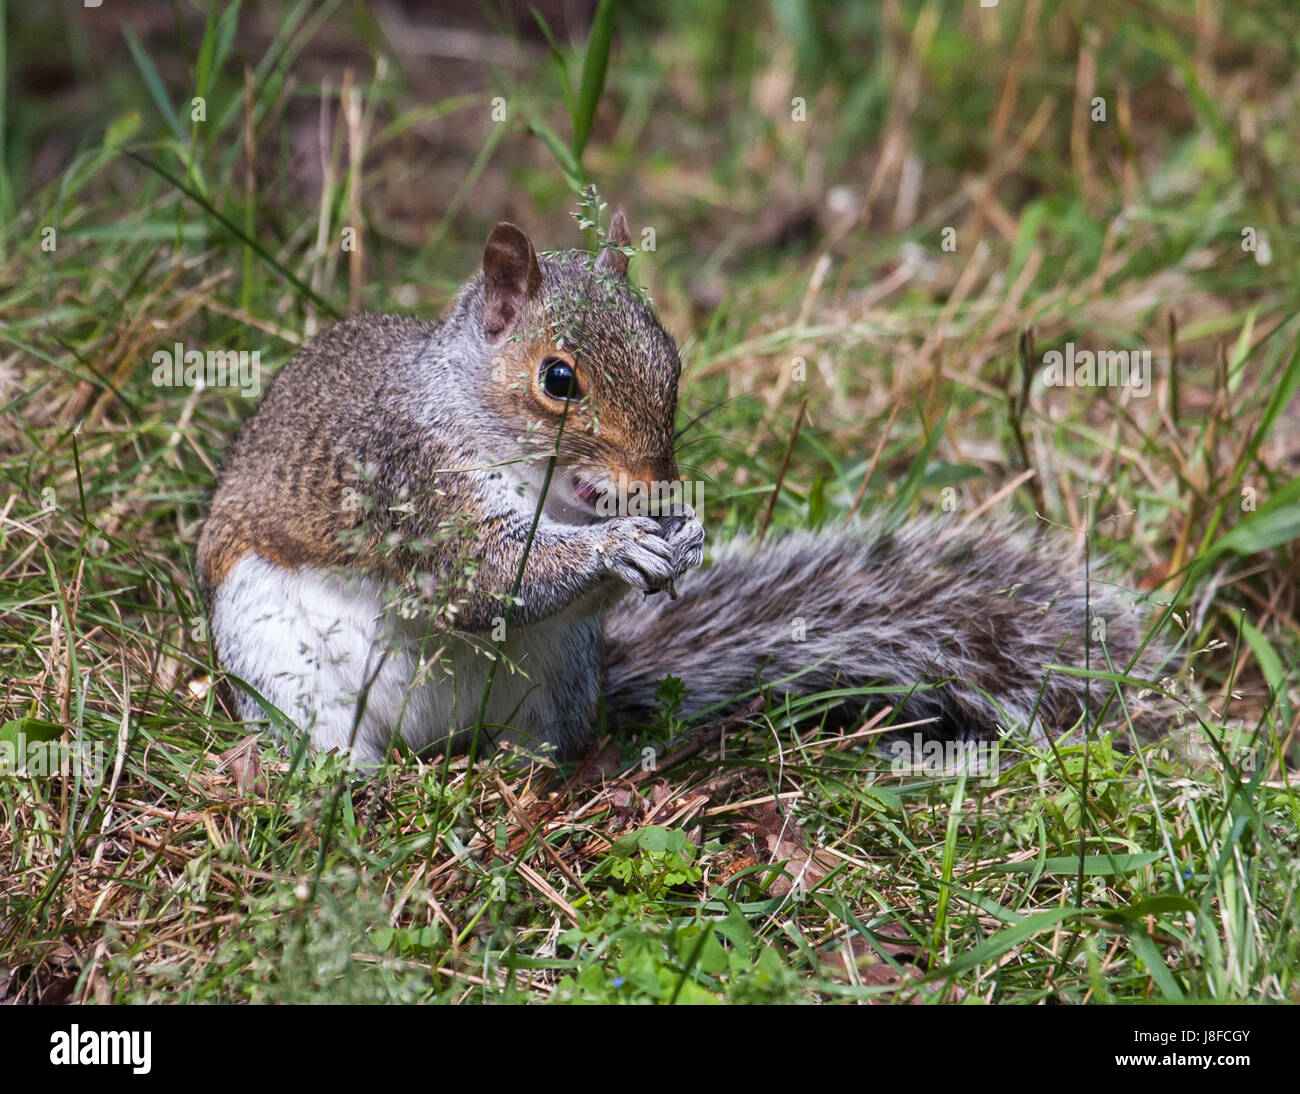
(914, 116)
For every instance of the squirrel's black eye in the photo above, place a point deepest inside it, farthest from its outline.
(558, 378)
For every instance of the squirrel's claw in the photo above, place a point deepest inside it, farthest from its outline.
(669, 587)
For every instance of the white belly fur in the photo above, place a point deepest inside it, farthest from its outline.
(309, 640)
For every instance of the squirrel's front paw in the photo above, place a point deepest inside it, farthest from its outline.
(635, 551)
(685, 535)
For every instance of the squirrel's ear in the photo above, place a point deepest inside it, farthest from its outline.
(510, 276)
(612, 260)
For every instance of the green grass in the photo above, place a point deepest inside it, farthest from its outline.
(793, 259)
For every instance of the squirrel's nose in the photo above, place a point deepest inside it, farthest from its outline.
(663, 470)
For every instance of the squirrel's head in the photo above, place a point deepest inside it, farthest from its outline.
(571, 349)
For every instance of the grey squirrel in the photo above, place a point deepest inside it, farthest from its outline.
(414, 503)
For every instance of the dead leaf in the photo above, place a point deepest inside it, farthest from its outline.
(596, 767)
(785, 842)
(660, 792)
(244, 763)
(858, 960)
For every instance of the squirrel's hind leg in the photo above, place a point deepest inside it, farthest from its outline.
(316, 647)
(325, 650)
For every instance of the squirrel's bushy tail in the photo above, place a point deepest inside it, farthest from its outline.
(959, 626)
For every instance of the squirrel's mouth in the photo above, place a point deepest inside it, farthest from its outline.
(587, 491)
(590, 497)
(576, 497)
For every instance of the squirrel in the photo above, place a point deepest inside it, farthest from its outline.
(411, 539)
